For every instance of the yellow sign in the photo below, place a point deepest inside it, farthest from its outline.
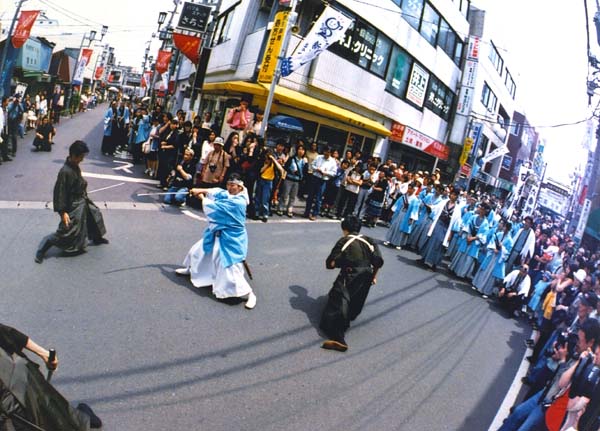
(465, 151)
(273, 49)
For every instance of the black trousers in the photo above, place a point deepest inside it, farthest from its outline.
(345, 302)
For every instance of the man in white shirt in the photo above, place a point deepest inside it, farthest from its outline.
(515, 290)
(324, 167)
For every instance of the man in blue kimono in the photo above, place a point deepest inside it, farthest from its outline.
(217, 260)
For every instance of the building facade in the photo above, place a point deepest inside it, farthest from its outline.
(389, 87)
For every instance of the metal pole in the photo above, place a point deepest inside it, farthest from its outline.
(164, 42)
(204, 44)
(7, 41)
(282, 52)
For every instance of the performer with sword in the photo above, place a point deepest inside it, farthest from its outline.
(218, 259)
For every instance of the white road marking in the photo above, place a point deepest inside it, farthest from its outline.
(124, 166)
(145, 206)
(41, 205)
(106, 188)
(119, 178)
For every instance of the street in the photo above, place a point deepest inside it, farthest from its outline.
(149, 351)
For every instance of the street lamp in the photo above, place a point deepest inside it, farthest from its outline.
(103, 31)
(162, 16)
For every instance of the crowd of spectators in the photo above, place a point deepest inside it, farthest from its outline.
(38, 111)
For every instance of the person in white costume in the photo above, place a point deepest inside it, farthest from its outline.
(217, 260)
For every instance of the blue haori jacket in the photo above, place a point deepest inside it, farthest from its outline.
(226, 215)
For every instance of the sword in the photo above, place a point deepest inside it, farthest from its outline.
(158, 194)
(247, 268)
(51, 358)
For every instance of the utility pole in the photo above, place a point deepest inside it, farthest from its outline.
(6, 42)
(164, 42)
(286, 40)
(204, 50)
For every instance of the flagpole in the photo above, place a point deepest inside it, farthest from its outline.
(286, 40)
(6, 42)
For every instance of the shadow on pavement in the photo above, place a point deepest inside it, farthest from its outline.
(312, 307)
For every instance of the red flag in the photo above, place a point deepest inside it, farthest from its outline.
(99, 72)
(162, 61)
(26, 21)
(188, 45)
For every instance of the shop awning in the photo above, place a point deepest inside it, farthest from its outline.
(301, 101)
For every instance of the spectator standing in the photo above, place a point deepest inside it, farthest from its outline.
(295, 168)
(167, 153)
(324, 167)
(363, 192)
(216, 166)
(376, 198)
(264, 185)
(311, 155)
(14, 113)
(349, 192)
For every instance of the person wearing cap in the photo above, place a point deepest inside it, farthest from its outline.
(216, 165)
(218, 259)
(515, 290)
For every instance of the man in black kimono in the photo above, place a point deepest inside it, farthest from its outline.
(27, 400)
(80, 218)
(359, 259)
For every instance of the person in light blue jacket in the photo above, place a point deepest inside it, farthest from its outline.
(406, 213)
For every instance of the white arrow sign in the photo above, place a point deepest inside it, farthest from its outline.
(125, 167)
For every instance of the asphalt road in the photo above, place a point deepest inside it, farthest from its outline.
(148, 351)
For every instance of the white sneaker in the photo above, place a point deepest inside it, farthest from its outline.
(251, 302)
(182, 271)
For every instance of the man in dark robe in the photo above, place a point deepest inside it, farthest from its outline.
(80, 218)
(359, 259)
(27, 400)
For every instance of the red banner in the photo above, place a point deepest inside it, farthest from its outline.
(99, 72)
(188, 45)
(146, 79)
(26, 21)
(162, 61)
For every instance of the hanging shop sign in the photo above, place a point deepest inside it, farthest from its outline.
(194, 17)
(273, 49)
(417, 86)
(413, 138)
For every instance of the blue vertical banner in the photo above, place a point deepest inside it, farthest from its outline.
(9, 67)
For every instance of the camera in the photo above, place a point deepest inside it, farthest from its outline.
(212, 167)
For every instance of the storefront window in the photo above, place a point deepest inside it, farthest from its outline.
(368, 146)
(330, 137)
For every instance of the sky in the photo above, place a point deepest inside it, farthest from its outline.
(543, 42)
